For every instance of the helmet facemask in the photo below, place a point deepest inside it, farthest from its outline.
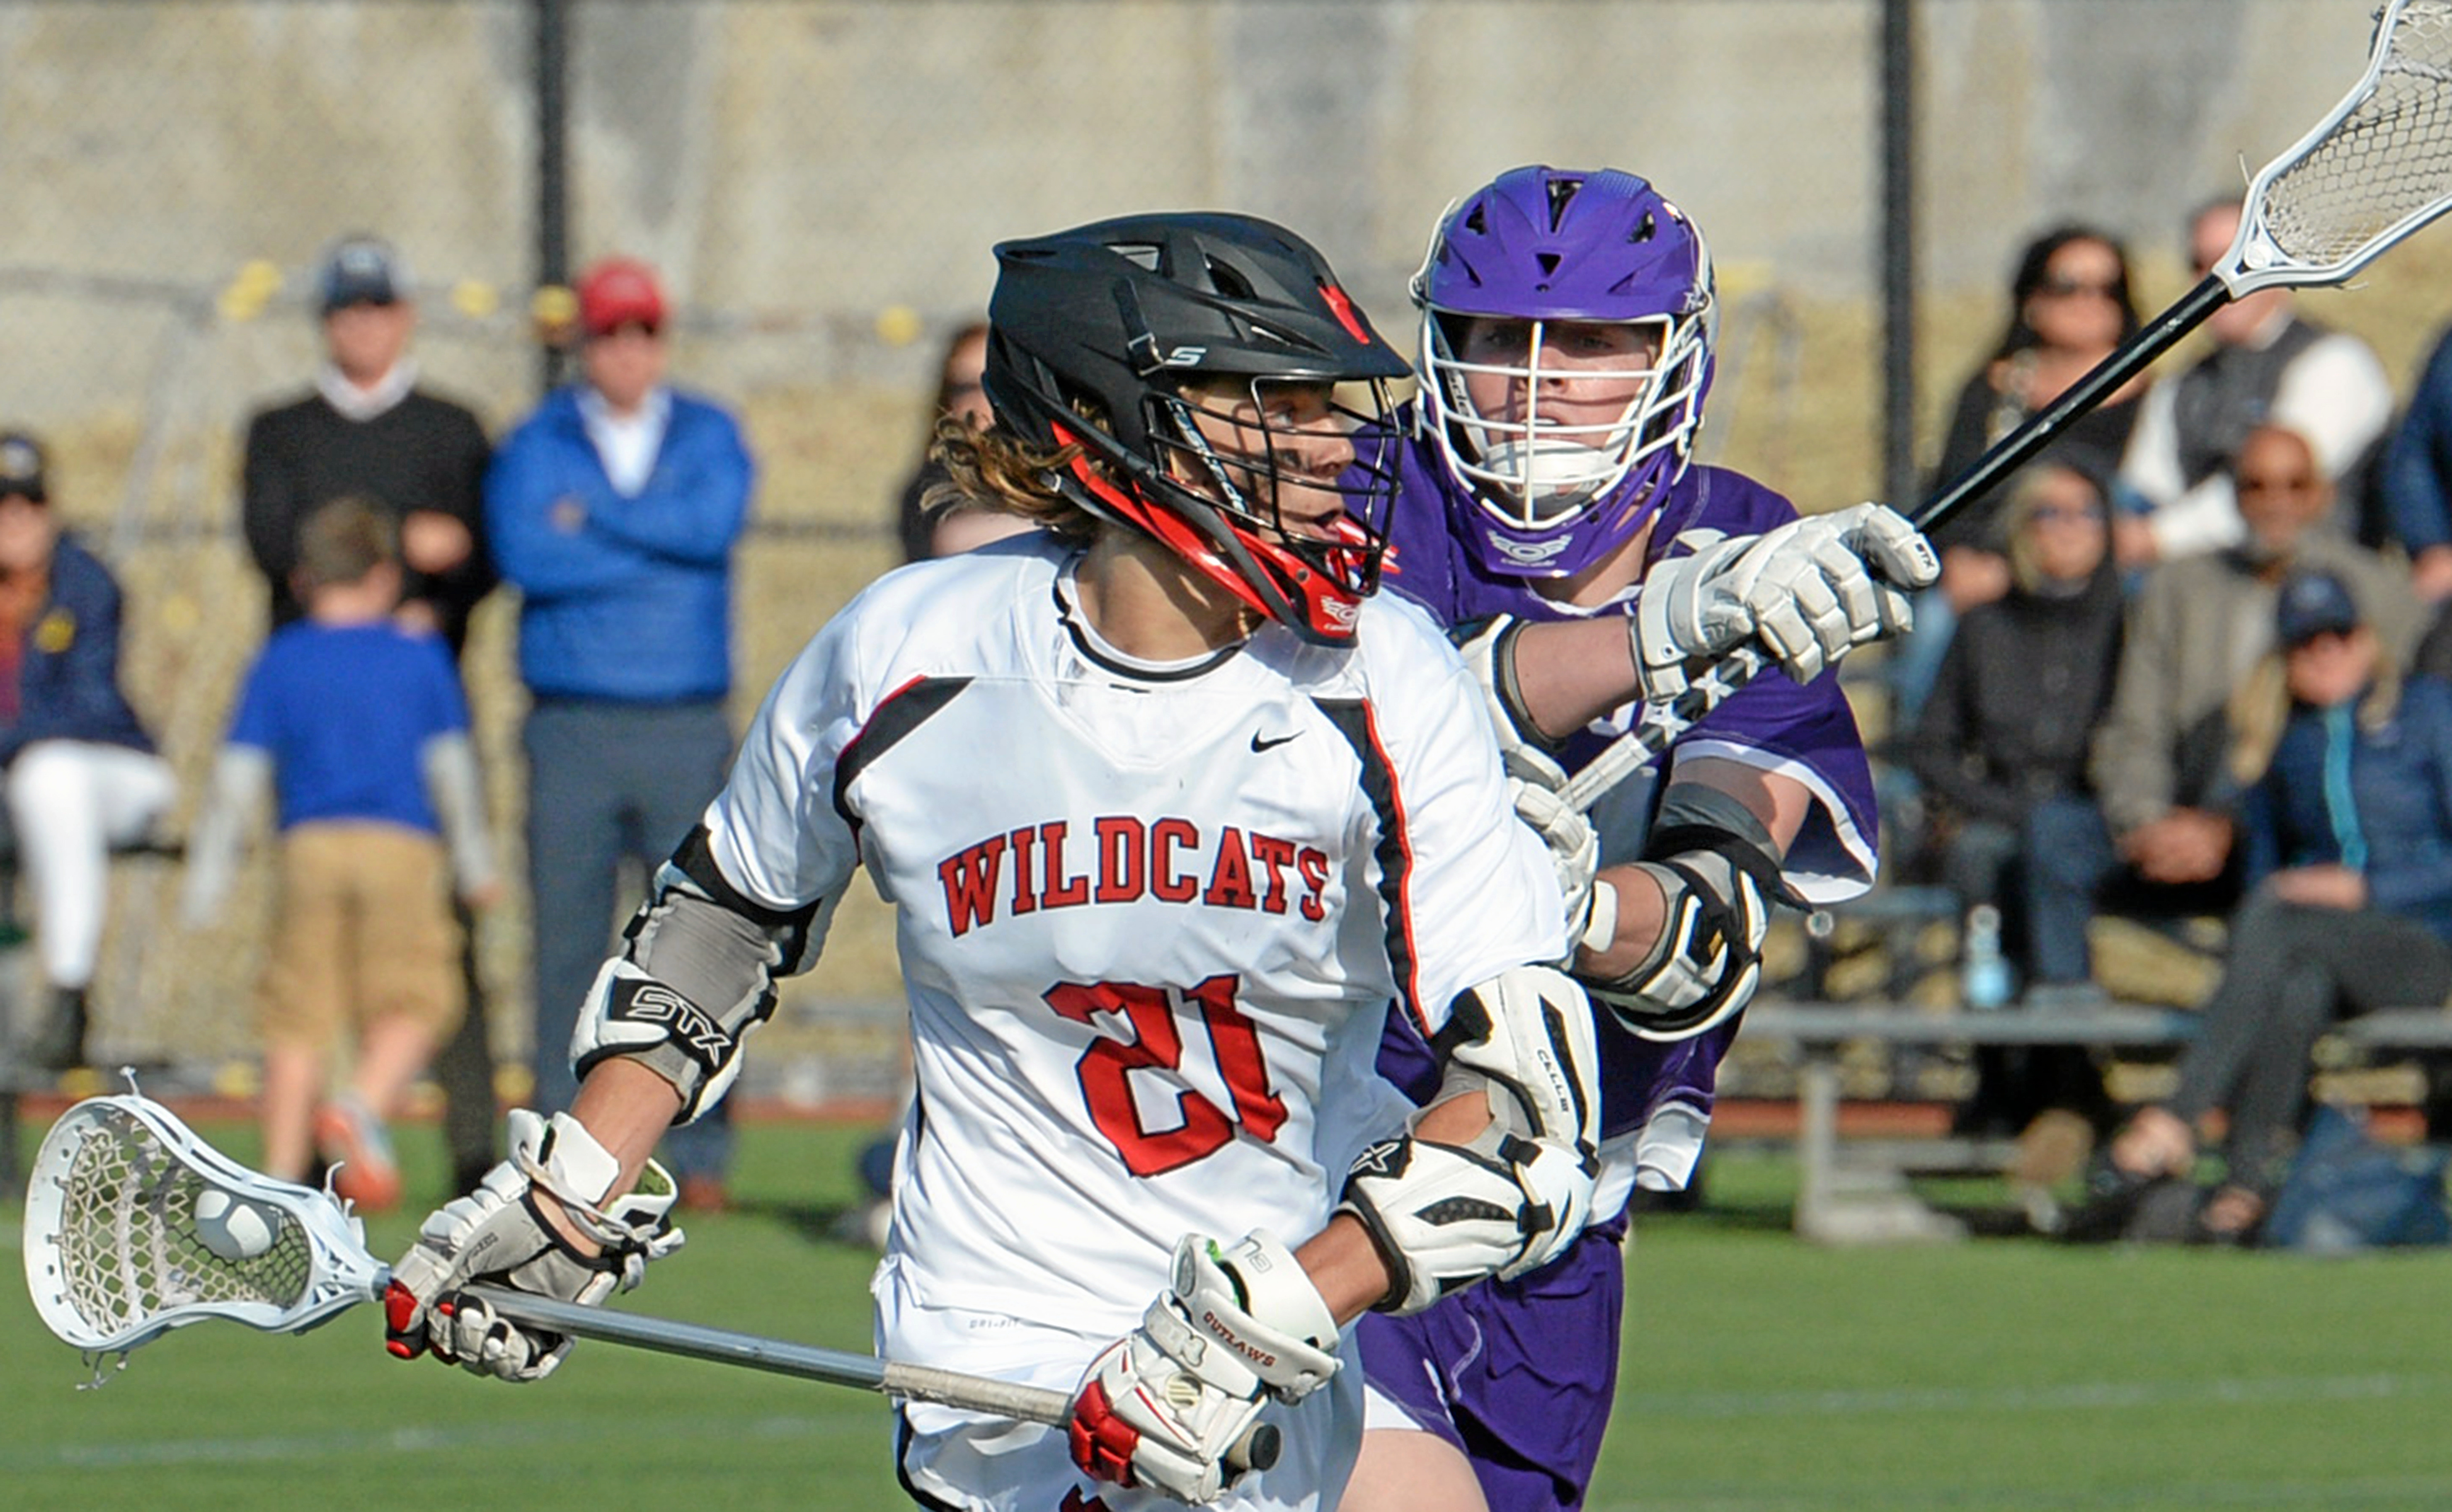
(1567, 337)
(1538, 456)
(1287, 483)
(1219, 383)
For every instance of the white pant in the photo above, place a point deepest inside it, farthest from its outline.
(70, 802)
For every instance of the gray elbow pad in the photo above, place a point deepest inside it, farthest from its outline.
(697, 977)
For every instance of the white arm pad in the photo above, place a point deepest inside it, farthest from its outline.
(1445, 1216)
(1536, 785)
(697, 979)
(1489, 652)
(630, 1013)
(1718, 873)
(1525, 1039)
(1707, 960)
(1535, 782)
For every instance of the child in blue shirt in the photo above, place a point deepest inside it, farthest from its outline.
(358, 727)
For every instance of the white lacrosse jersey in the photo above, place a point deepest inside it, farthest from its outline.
(1149, 918)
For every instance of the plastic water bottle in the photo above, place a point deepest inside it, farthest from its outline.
(1984, 976)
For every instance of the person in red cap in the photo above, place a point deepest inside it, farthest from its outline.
(614, 509)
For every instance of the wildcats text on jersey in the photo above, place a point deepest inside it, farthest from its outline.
(1124, 859)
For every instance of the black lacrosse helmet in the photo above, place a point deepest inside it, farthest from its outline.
(1117, 316)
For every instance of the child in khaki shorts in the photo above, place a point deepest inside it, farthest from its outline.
(359, 727)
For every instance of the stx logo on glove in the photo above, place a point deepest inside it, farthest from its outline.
(1385, 1158)
(690, 1027)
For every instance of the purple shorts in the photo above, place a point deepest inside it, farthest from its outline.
(1519, 1375)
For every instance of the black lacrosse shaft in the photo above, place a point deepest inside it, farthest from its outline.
(2020, 445)
(1653, 731)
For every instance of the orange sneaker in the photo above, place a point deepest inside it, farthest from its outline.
(354, 1141)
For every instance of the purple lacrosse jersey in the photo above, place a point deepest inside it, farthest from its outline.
(1519, 1375)
(1806, 732)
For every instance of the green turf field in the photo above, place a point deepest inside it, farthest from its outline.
(1762, 1374)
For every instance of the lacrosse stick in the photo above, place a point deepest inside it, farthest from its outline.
(118, 1253)
(2370, 173)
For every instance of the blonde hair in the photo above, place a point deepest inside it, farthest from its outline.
(997, 470)
(2259, 706)
(2026, 493)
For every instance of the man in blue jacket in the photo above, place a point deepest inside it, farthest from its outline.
(614, 510)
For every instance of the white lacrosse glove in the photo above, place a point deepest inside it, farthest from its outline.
(1513, 1198)
(1163, 1406)
(499, 1233)
(1808, 591)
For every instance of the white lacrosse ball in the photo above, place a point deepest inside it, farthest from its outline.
(232, 1227)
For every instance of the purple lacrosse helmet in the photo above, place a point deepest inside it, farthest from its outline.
(1555, 491)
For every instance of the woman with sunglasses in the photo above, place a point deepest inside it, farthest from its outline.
(2005, 733)
(2070, 307)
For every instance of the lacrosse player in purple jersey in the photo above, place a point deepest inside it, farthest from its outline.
(1549, 510)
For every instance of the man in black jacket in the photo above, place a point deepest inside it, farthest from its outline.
(366, 429)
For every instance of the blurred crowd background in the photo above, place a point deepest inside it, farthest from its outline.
(819, 181)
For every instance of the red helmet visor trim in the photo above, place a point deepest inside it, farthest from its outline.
(1322, 602)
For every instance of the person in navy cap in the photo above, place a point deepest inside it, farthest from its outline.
(81, 772)
(2348, 847)
(369, 427)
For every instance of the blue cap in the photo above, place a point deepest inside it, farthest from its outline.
(2315, 603)
(361, 270)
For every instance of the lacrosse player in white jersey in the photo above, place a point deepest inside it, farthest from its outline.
(1175, 814)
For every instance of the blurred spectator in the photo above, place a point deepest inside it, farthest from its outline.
(2163, 762)
(2418, 479)
(2020, 692)
(2268, 367)
(2069, 306)
(960, 523)
(367, 429)
(614, 509)
(82, 775)
(2348, 841)
(960, 397)
(359, 726)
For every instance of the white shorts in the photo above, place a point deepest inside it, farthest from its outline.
(953, 1459)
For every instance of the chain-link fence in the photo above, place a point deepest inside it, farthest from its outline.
(820, 179)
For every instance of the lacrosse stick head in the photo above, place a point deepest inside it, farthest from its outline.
(117, 1255)
(2375, 170)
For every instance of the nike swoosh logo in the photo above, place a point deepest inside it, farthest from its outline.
(1258, 745)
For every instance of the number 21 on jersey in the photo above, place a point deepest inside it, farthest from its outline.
(1105, 1070)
